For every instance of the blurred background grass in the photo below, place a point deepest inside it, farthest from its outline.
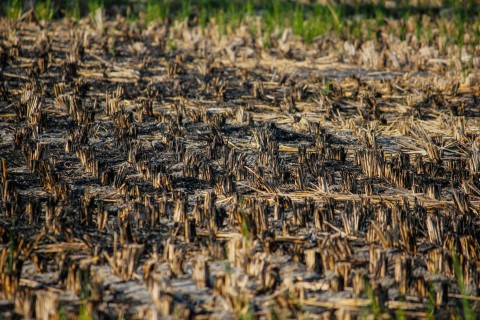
(308, 19)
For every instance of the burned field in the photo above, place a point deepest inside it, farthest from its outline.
(172, 171)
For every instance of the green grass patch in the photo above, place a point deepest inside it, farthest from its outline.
(72, 10)
(13, 9)
(45, 10)
(157, 11)
(94, 5)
